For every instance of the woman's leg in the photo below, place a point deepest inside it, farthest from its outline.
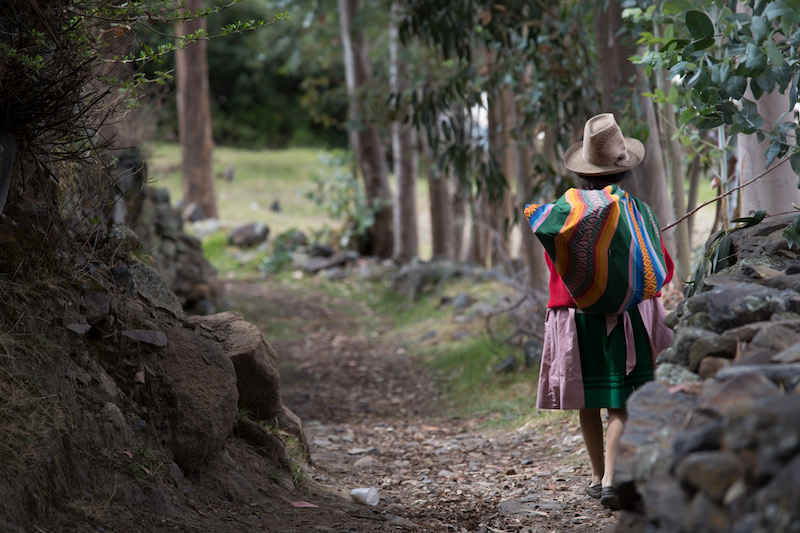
(592, 430)
(616, 424)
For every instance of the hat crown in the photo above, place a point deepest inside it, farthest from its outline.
(603, 143)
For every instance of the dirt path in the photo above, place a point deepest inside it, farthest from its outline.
(373, 419)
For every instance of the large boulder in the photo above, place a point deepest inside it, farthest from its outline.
(255, 361)
(203, 397)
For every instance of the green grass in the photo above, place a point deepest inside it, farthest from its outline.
(474, 389)
(261, 177)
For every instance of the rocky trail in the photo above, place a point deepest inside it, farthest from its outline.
(373, 418)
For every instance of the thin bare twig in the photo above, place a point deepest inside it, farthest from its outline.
(723, 195)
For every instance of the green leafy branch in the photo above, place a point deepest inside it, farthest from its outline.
(718, 254)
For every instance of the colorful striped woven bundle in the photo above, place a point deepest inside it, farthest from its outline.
(605, 244)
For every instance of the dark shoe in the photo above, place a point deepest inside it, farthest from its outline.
(593, 490)
(609, 499)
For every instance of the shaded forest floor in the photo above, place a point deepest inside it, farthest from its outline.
(375, 418)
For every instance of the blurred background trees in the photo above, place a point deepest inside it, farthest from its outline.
(477, 101)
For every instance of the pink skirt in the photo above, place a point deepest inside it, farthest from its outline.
(561, 384)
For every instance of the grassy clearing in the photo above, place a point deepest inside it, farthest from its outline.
(260, 179)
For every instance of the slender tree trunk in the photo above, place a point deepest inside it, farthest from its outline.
(531, 250)
(406, 239)
(694, 186)
(365, 139)
(649, 181)
(492, 204)
(510, 166)
(445, 240)
(674, 160)
(777, 191)
(460, 223)
(194, 119)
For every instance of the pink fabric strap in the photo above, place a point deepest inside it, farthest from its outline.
(660, 336)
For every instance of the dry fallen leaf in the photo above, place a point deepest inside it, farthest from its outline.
(303, 504)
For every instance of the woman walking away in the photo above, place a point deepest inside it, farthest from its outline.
(605, 323)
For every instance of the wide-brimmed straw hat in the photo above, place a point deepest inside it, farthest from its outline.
(603, 149)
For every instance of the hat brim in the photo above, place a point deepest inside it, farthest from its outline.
(574, 161)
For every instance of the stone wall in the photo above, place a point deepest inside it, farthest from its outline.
(178, 256)
(713, 444)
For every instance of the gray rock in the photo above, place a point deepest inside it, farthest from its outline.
(415, 280)
(742, 303)
(720, 396)
(704, 516)
(145, 336)
(699, 320)
(666, 502)
(112, 415)
(365, 462)
(249, 235)
(753, 355)
(777, 506)
(790, 354)
(399, 521)
(776, 337)
(316, 264)
(321, 250)
(682, 343)
(175, 472)
(533, 353)
(711, 346)
(203, 397)
(770, 425)
(654, 417)
(462, 301)
(674, 374)
(121, 238)
(629, 522)
(123, 278)
(507, 365)
(785, 375)
(711, 472)
(255, 361)
(241, 480)
(78, 328)
(95, 306)
(710, 366)
(152, 287)
(671, 320)
(707, 436)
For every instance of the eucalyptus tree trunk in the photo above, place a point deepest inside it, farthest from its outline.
(460, 226)
(364, 138)
(777, 191)
(648, 182)
(674, 160)
(694, 190)
(497, 206)
(406, 240)
(194, 119)
(531, 250)
(445, 241)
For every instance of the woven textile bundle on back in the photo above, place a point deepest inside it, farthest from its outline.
(605, 245)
